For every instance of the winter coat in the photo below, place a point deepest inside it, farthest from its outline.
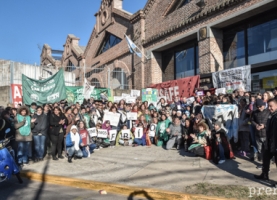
(55, 127)
(258, 118)
(243, 121)
(40, 125)
(271, 130)
(215, 143)
(175, 129)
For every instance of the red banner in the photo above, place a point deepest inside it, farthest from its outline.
(16, 94)
(184, 87)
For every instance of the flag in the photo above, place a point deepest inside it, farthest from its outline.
(132, 47)
(88, 89)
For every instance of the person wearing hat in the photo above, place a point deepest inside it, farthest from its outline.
(74, 144)
(258, 119)
(220, 145)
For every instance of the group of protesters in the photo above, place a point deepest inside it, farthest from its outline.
(60, 130)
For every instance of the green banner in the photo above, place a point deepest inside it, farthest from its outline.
(75, 94)
(50, 90)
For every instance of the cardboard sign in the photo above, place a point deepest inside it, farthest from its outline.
(102, 133)
(112, 117)
(125, 134)
(132, 116)
(92, 132)
(138, 133)
(152, 130)
(135, 93)
(220, 91)
(116, 99)
(200, 93)
(190, 100)
(125, 95)
(131, 100)
(113, 134)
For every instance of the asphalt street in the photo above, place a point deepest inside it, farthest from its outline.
(32, 190)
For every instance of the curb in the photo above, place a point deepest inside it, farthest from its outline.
(114, 188)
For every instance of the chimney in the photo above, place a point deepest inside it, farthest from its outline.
(118, 4)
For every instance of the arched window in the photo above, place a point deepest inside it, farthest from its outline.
(120, 75)
(109, 41)
(95, 82)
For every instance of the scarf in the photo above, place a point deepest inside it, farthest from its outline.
(76, 138)
(26, 129)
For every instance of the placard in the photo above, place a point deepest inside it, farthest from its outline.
(220, 91)
(125, 134)
(135, 93)
(116, 99)
(112, 117)
(125, 95)
(132, 115)
(152, 130)
(113, 134)
(92, 132)
(138, 133)
(131, 100)
(102, 133)
(200, 93)
(190, 100)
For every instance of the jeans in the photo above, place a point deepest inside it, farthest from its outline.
(23, 152)
(91, 147)
(122, 142)
(141, 142)
(253, 139)
(72, 152)
(39, 142)
(221, 152)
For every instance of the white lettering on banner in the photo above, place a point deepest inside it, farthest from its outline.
(138, 133)
(131, 100)
(135, 93)
(152, 130)
(102, 133)
(125, 134)
(112, 117)
(169, 93)
(92, 132)
(132, 116)
(53, 97)
(17, 93)
(113, 134)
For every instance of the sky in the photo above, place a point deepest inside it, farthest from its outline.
(25, 25)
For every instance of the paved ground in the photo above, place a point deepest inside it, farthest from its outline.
(31, 190)
(154, 167)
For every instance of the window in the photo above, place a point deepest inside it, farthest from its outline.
(95, 82)
(109, 42)
(186, 62)
(120, 75)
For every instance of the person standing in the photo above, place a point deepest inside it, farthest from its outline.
(271, 139)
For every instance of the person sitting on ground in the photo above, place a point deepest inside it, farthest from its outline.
(220, 145)
(120, 140)
(199, 140)
(140, 141)
(74, 144)
(186, 131)
(175, 134)
(107, 126)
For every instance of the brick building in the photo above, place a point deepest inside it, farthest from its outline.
(182, 38)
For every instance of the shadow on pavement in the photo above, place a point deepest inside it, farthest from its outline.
(142, 192)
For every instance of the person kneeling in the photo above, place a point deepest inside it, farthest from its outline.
(73, 144)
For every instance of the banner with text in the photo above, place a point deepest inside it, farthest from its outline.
(16, 94)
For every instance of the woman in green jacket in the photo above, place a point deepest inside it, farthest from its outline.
(162, 136)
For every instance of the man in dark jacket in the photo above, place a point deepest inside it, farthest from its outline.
(271, 139)
(259, 119)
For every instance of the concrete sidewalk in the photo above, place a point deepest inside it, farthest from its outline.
(153, 167)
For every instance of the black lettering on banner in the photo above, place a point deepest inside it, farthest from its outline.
(125, 136)
(139, 133)
(152, 127)
(232, 115)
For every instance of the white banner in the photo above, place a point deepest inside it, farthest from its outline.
(112, 117)
(125, 134)
(138, 133)
(226, 114)
(152, 130)
(113, 134)
(88, 89)
(220, 91)
(232, 79)
(131, 100)
(135, 93)
(132, 116)
(102, 133)
(92, 132)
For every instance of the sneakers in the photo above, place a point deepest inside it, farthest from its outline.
(221, 161)
(263, 176)
(69, 159)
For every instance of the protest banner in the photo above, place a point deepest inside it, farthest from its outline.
(92, 132)
(220, 91)
(132, 115)
(112, 117)
(135, 93)
(116, 99)
(125, 95)
(150, 95)
(232, 79)
(131, 99)
(138, 133)
(49, 90)
(200, 93)
(226, 114)
(152, 130)
(184, 87)
(125, 134)
(113, 134)
(190, 100)
(102, 133)
(16, 94)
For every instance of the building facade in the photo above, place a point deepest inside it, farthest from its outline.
(181, 38)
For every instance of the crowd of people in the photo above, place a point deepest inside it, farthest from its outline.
(60, 130)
